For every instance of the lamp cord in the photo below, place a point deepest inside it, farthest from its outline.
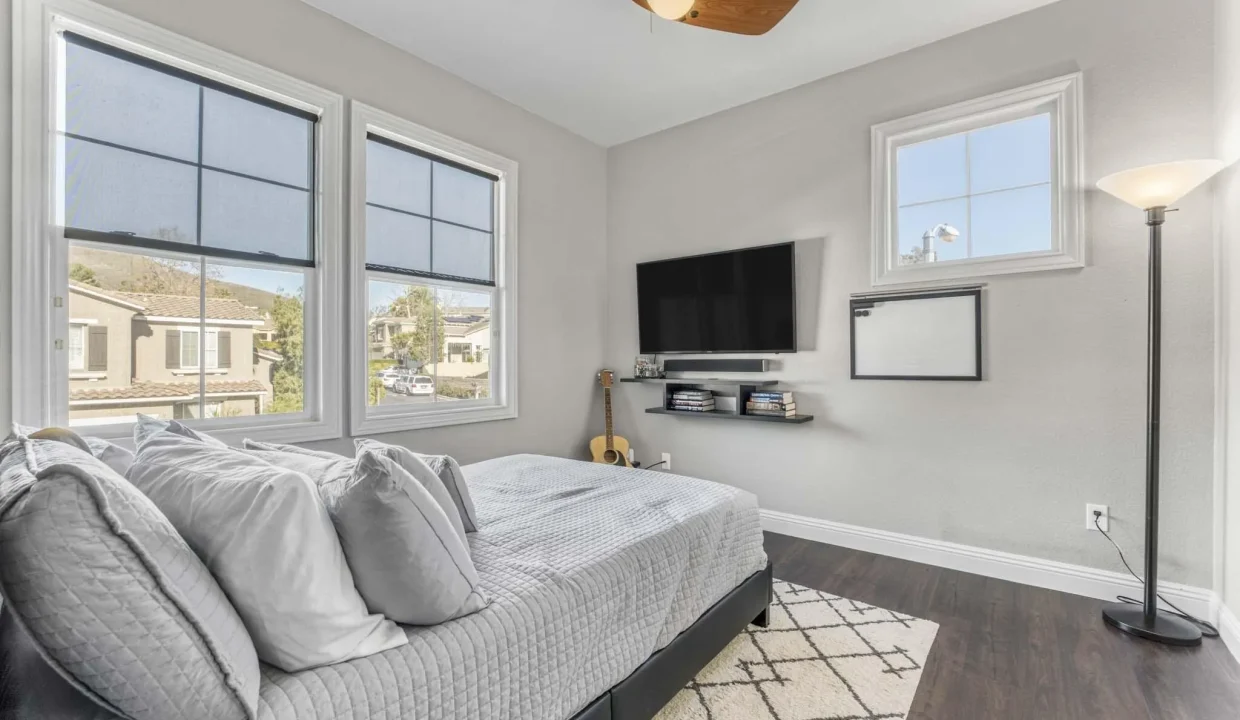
(1207, 630)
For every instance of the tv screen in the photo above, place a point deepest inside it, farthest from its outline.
(732, 302)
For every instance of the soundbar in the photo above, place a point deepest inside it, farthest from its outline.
(715, 365)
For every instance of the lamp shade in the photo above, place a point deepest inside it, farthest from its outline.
(671, 9)
(1159, 185)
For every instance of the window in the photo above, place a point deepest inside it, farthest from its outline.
(77, 347)
(435, 221)
(191, 213)
(986, 187)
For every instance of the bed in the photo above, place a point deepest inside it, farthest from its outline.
(611, 588)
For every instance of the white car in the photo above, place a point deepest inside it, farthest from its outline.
(388, 377)
(419, 385)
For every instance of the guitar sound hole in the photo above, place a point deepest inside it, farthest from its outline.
(611, 456)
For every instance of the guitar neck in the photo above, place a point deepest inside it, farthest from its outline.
(607, 402)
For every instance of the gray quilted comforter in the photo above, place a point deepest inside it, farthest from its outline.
(591, 569)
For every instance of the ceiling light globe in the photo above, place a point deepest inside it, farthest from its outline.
(671, 9)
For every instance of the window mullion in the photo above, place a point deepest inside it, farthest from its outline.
(202, 268)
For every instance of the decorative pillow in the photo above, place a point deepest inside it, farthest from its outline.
(266, 536)
(449, 472)
(114, 456)
(115, 599)
(450, 489)
(407, 559)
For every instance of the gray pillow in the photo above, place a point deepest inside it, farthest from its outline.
(449, 472)
(147, 426)
(266, 536)
(407, 559)
(450, 490)
(114, 598)
(249, 444)
(114, 456)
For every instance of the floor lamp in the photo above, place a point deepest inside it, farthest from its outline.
(1153, 189)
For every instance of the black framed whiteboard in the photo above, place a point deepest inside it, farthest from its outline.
(921, 335)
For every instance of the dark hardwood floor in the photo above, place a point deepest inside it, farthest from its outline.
(1011, 652)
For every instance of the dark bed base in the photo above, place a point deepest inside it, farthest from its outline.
(30, 690)
(643, 694)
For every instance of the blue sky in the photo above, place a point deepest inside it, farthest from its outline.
(1005, 170)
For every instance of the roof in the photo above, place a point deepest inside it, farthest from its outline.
(464, 330)
(175, 306)
(151, 390)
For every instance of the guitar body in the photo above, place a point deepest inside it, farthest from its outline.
(609, 449)
(618, 455)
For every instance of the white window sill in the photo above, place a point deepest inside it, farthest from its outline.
(276, 429)
(196, 371)
(975, 268)
(87, 375)
(375, 423)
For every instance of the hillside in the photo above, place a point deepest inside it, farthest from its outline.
(119, 271)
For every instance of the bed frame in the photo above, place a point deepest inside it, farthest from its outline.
(31, 690)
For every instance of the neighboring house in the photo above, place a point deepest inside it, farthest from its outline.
(135, 353)
(464, 350)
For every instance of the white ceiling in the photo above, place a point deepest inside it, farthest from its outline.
(597, 68)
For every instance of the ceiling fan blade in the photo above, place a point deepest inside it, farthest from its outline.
(743, 17)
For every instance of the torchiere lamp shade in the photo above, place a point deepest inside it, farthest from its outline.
(1159, 185)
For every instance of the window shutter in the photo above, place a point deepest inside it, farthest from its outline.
(172, 350)
(223, 349)
(97, 349)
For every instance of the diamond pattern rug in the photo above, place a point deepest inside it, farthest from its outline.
(823, 658)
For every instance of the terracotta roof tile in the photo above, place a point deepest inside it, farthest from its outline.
(180, 306)
(150, 390)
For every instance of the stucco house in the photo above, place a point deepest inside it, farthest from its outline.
(135, 353)
(464, 349)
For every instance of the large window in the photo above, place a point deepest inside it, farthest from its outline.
(433, 222)
(193, 206)
(982, 188)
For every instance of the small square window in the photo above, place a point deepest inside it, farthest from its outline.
(986, 187)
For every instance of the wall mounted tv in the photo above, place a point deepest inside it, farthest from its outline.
(742, 301)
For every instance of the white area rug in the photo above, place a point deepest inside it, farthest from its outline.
(823, 658)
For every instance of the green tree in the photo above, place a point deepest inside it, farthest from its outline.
(288, 321)
(418, 305)
(83, 275)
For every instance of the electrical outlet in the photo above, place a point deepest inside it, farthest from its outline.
(1104, 522)
(667, 461)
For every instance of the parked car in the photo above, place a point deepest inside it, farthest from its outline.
(415, 385)
(388, 377)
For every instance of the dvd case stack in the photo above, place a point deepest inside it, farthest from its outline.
(692, 401)
(771, 404)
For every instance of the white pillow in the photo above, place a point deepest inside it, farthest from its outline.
(267, 538)
(407, 559)
(436, 473)
(322, 466)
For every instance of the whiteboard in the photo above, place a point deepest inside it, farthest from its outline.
(928, 336)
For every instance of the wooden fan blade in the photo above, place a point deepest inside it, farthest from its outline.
(743, 17)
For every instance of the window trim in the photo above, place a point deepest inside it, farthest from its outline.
(1063, 98)
(40, 377)
(367, 121)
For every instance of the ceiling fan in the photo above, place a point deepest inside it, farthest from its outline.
(743, 17)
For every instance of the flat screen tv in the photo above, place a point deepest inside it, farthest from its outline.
(742, 301)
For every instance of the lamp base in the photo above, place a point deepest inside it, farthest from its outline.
(1165, 628)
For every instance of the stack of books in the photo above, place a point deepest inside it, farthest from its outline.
(692, 401)
(771, 404)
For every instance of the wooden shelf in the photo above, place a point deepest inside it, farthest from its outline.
(797, 420)
(702, 381)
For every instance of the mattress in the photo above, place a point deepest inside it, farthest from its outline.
(590, 568)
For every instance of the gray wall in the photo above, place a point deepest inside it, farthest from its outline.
(1227, 204)
(1010, 463)
(562, 200)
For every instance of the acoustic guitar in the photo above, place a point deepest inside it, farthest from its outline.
(609, 449)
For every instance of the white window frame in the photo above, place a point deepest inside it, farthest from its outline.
(78, 329)
(366, 420)
(202, 349)
(1062, 98)
(40, 367)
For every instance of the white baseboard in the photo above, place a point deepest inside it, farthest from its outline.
(1229, 630)
(1064, 577)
